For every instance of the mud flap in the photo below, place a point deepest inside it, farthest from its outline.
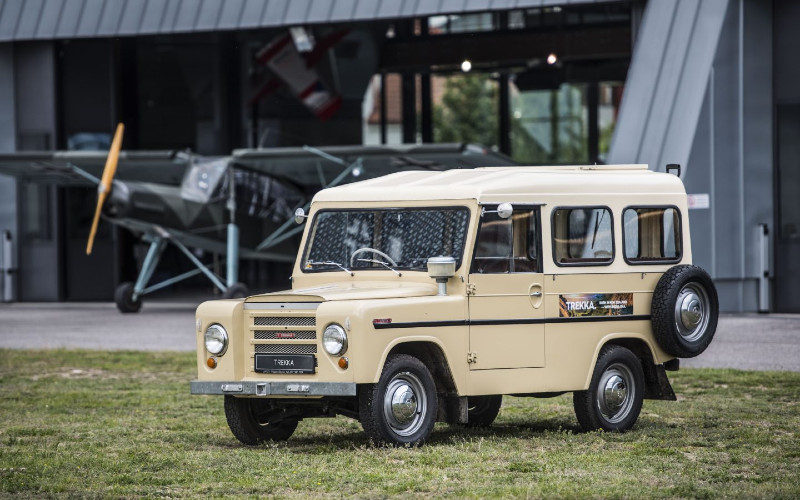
(454, 410)
(657, 384)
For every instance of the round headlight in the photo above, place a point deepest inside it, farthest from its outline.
(334, 340)
(216, 340)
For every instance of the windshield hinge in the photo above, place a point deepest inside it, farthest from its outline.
(471, 289)
(472, 358)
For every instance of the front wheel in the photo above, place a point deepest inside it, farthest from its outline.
(401, 408)
(253, 421)
(614, 398)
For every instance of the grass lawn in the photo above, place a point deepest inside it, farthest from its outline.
(123, 424)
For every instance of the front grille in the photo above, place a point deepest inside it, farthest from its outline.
(286, 348)
(285, 321)
(284, 334)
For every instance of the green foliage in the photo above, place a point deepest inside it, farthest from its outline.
(123, 424)
(547, 127)
(468, 112)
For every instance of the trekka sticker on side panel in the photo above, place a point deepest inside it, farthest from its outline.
(573, 305)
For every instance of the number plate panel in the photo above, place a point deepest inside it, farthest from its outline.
(285, 363)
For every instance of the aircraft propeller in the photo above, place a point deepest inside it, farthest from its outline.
(104, 188)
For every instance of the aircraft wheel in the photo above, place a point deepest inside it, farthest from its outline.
(123, 296)
(235, 291)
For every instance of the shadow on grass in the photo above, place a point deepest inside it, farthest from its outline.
(443, 434)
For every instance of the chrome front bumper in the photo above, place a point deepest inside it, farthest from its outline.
(290, 388)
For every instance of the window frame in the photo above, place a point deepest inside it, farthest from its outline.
(582, 264)
(536, 208)
(459, 259)
(657, 261)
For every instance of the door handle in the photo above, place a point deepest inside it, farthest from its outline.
(536, 294)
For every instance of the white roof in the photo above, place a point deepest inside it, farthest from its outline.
(492, 183)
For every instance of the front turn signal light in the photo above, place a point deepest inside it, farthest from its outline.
(211, 362)
(343, 363)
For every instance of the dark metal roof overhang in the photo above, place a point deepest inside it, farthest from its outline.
(68, 19)
(503, 49)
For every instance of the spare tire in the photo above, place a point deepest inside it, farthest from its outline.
(684, 311)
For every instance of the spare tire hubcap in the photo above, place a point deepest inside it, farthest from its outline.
(691, 317)
(691, 311)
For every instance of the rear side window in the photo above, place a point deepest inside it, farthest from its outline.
(583, 236)
(652, 234)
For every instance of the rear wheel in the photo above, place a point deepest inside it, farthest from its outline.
(123, 297)
(401, 408)
(482, 410)
(254, 421)
(614, 398)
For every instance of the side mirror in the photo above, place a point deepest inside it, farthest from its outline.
(442, 269)
(300, 216)
(504, 210)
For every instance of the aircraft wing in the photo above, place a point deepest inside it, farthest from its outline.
(311, 169)
(58, 167)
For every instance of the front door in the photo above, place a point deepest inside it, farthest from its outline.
(506, 291)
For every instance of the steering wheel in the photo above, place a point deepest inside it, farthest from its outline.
(377, 252)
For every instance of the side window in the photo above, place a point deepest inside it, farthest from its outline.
(508, 245)
(652, 234)
(583, 236)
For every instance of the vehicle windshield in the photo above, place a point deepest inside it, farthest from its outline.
(396, 238)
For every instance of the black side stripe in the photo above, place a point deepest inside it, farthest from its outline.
(522, 321)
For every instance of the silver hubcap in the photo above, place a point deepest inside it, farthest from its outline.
(404, 404)
(691, 312)
(615, 393)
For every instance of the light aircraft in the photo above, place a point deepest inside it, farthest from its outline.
(240, 206)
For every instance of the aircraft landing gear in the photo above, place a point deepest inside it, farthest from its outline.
(123, 296)
(235, 291)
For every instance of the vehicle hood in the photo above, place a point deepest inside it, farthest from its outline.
(349, 291)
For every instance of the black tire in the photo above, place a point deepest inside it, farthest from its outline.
(254, 421)
(123, 297)
(235, 291)
(614, 398)
(401, 408)
(685, 311)
(482, 410)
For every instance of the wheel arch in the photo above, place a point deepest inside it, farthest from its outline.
(433, 356)
(654, 375)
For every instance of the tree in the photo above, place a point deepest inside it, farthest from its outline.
(468, 112)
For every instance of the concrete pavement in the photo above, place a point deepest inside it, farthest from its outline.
(158, 326)
(742, 341)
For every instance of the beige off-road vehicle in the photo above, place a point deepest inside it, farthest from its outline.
(425, 296)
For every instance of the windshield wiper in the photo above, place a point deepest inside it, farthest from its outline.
(384, 264)
(329, 263)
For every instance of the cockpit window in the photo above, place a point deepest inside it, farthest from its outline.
(256, 194)
(201, 179)
(401, 238)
